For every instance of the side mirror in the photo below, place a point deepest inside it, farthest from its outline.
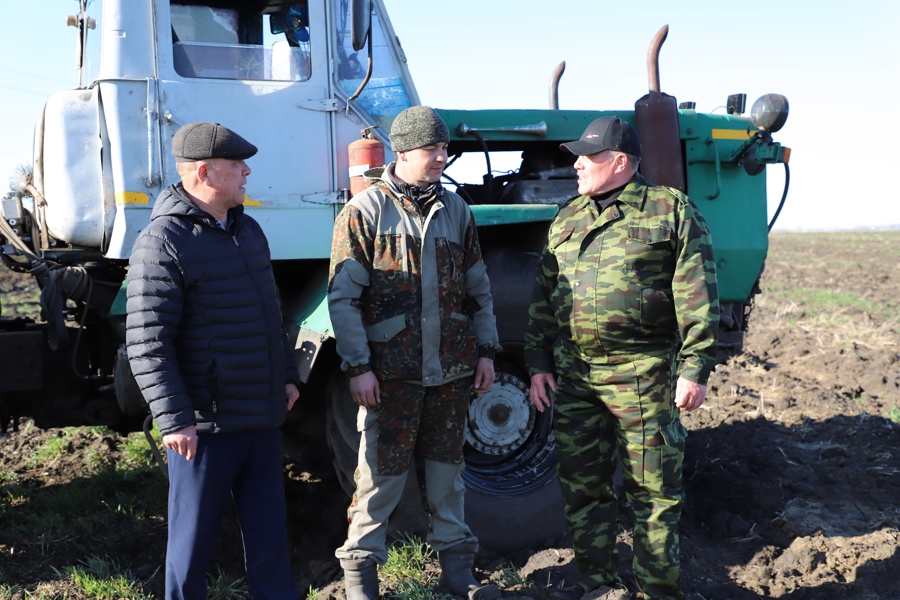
(278, 22)
(360, 22)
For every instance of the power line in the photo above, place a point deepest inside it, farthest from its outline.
(24, 91)
(36, 76)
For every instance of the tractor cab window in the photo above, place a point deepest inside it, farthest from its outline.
(385, 95)
(240, 41)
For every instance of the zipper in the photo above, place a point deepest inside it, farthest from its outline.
(452, 260)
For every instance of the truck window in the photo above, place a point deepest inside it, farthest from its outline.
(385, 95)
(222, 42)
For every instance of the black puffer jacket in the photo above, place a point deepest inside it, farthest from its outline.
(204, 329)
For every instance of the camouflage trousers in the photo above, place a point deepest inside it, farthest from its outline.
(411, 419)
(622, 409)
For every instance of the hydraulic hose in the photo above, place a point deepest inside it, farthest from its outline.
(787, 183)
(488, 178)
(459, 189)
(63, 283)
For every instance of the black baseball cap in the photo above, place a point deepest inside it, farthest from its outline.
(606, 133)
(199, 141)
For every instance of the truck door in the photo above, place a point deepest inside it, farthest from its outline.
(260, 68)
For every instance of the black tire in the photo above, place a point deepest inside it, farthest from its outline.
(513, 499)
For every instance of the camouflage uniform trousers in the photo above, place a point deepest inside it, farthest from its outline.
(411, 419)
(622, 406)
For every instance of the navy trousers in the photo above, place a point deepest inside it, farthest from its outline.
(245, 466)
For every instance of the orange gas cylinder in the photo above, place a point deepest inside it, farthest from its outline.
(364, 154)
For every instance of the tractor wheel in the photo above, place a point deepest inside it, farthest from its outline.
(513, 498)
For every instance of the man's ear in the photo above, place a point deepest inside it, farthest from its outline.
(401, 155)
(202, 172)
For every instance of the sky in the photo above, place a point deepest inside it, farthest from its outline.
(836, 62)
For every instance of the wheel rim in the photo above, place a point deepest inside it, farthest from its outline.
(510, 449)
(501, 420)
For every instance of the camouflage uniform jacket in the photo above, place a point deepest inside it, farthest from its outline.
(408, 291)
(637, 279)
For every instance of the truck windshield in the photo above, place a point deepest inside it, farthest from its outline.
(222, 42)
(385, 96)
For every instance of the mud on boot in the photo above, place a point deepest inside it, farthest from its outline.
(360, 579)
(456, 574)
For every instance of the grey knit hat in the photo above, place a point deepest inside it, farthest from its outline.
(199, 141)
(417, 126)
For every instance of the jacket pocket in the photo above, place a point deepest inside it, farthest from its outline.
(387, 329)
(657, 308)
(459, 351)
(674, 434)
(649, 249)
(663, 461)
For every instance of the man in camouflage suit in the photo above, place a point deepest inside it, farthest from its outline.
(412, 312)
(625, 300)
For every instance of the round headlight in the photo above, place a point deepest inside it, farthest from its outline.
(769, 112)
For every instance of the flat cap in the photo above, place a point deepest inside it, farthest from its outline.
(417, 126)
(199, 141)
(606, 133)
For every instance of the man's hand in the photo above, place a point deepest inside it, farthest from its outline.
(538, 394)
(364, 390)
(484, 375)
(183, 441)
(689, 395)
(291, 393)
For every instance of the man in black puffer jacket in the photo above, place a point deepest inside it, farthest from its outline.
(208, 350)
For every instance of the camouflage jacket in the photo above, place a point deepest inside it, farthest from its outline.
(638, 278)
(408, 291)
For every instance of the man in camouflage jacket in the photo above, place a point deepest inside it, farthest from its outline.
(411, 307)
(625, 301)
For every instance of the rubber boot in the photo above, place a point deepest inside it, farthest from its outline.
(456, 574)
(360, 579)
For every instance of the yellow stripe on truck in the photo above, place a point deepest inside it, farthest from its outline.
(123, 198)
(730, 134)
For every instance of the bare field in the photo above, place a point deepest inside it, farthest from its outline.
(791, 469)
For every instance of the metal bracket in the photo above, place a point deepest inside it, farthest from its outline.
(320, 105)
(718, 163)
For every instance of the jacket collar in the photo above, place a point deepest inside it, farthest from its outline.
(634, 193)
(384, 176)
(174, 202)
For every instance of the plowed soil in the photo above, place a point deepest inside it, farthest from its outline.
(792, 470)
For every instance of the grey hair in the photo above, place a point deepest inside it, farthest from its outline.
(633, 161)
